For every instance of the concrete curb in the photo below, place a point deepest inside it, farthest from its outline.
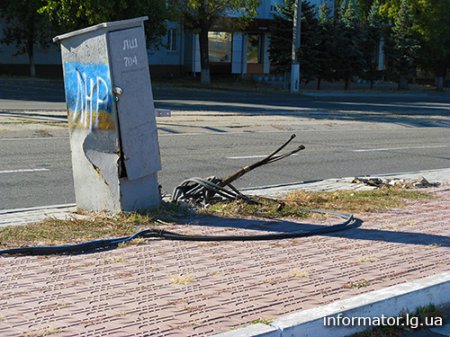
(21, 216)
(37, 208)
(345, 183)
(375, 93)
(388, 302)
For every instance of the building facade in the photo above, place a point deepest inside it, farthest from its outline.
(231, 52)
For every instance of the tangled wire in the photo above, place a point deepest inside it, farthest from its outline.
(203, 191)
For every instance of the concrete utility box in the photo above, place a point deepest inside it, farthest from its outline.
(113, 135)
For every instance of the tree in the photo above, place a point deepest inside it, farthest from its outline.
(374, 28)
(281, 39)
(75, 14)
(389, 8)
(403, 45)
(309, 42)
(326, 47)
(281, 36)
(25, 27)
(363, 5)
(201, 15)
(432, 26)
(350, 58)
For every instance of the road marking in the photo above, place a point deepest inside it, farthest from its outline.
(168, 134)
(402, 148)
(397, 105)
(252, 157)
(259, 106)
(24, 170)
(33, 138)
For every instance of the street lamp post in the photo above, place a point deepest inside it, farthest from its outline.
(296, 34)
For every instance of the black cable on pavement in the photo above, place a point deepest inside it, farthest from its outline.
(90, 246)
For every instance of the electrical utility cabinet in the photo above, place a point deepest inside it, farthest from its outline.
(113, 134)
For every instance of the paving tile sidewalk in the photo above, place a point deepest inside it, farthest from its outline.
(173, 288)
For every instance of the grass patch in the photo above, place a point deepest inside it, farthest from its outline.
(297, 273)
(181, 280)
(169, 212)
(357, 284)
(215, 273)
(296, 204)
(265, 208)
(53, 232)
(367, 259)
(372, 201)
(261, 321)
(116, 259)
(48, 331)
(56, 232)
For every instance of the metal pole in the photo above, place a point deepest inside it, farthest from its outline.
(296, 42)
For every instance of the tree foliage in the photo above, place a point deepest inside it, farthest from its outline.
(25, 27)
(332, 48)
(373, 33)
(69, 15)
(432, 26)
(350, 38)
(309, 50)
(403, 45)
(326, 47)
(281, 42)
(281, 37)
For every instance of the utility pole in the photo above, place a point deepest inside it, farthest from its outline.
(296, 34)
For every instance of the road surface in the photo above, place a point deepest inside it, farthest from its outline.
(215, 133)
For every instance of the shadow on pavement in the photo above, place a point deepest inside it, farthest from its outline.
(355, 232)
(411, 109)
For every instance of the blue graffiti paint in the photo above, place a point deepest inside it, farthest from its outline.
(88, 94)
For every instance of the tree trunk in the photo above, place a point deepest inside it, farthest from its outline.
(403, 83)
(30, 52)
(373, 76)
(319, 80)
(347, 81)
(204, 56)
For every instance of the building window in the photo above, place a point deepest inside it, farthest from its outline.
(254, 50)
(219, 47)
(171, 42)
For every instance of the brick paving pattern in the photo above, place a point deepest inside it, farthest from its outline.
(174, 288)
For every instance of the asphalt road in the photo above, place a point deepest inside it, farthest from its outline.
(37, 171)
(344, 135)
